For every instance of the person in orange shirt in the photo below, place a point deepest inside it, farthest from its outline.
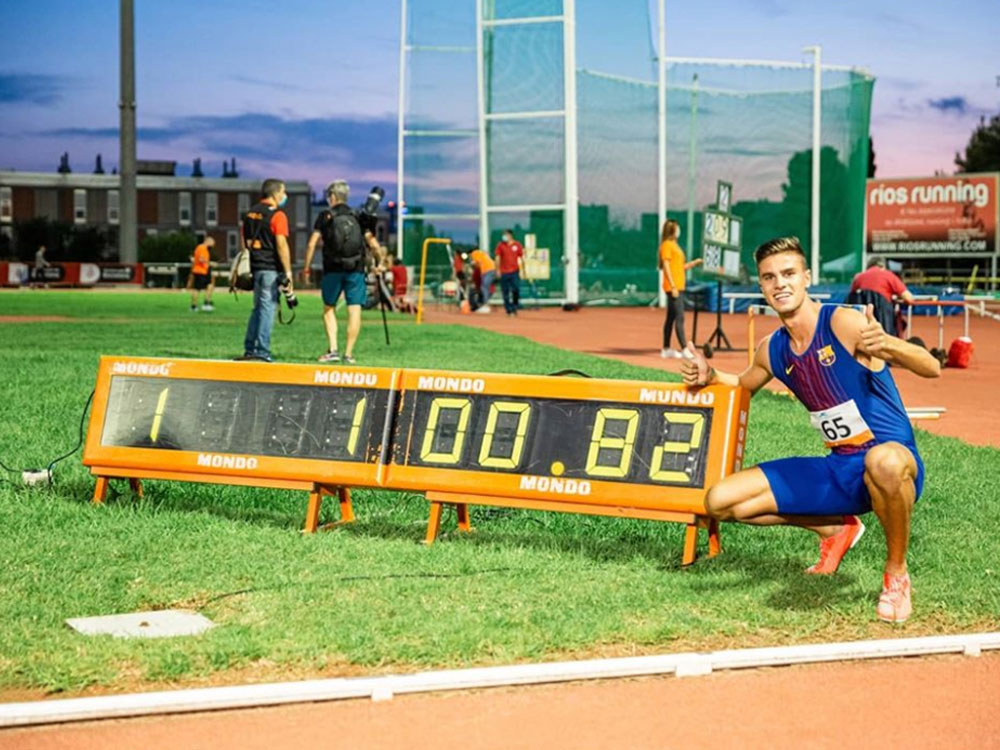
(487, 272)
(674, 267)
(201, 275)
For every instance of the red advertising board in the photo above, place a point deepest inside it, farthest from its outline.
(932, 215)
(70, 274)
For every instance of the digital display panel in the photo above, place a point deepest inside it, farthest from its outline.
(260, 419)
(575, 439)
(621, 444)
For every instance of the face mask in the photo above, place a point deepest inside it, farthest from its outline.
(283, 201)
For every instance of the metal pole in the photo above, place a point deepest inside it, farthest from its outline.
(484, 217)
(692, 157)
(571, 219)
(403, 33)
(661, 65)
(128, 231)
(814, 210)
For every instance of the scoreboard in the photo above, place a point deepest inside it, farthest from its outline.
(611, 447)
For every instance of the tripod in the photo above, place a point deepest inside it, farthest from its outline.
(718, 335)
(384, 301)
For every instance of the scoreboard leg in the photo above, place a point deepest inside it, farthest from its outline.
(714, 542)
(433, 523)
(690, 544)
(343, 495)
(100, 490)
(312, 511)
(136, 486)
(464, 522)
(346, 508)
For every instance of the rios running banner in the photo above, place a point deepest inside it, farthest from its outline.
(932, 215)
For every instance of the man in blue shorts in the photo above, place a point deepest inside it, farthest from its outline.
(344, 262)
(834, 359)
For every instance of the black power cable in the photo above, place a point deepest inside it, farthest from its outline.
(53, 462)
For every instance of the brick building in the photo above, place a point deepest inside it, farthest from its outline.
(165, 203)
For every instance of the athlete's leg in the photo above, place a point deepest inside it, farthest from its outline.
(353, 328)
(678, 304)
(668, 324)
(746, 497)
(890, 476)
(330, 323)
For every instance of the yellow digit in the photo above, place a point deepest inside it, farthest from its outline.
(359, 413)
(599, 440)
(161, 404)
(656, 471)
(497, 408)
(427, 452)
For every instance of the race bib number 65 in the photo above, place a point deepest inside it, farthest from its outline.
(841, 425)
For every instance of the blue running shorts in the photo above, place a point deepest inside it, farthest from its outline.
(352, 283)
(830, 485)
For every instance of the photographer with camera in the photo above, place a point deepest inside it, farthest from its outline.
(346, 236)
(265, 236)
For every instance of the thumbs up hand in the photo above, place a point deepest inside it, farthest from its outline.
(873, 336)
(695, 370)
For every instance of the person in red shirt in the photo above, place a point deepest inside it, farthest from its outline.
(879, 279)
(509, 256)
(400, 285)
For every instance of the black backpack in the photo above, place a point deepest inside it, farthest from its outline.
(343, 244)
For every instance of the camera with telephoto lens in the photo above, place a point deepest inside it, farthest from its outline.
(367, 215)
(285, 287)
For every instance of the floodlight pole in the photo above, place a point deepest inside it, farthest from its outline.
(816, 124)
(128, 218)
(692, 155)
(571, 217)
(403, 34)
(484, 202)
(661, 174)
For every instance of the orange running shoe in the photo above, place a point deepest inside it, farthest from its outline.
(833, 548)
(894, 604)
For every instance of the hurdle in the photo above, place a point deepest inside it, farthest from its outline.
(940, 304)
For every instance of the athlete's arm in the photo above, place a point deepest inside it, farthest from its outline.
(697, 371)
(314, 239)
(865, 338)
(693, 263)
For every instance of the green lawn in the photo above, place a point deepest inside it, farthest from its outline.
(369, 597)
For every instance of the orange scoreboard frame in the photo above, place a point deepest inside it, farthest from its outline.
(628, 449)
(245, 423)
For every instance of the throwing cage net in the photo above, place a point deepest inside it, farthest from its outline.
(530, 142)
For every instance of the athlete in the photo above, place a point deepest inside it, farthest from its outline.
(201, 275)
(834, 359)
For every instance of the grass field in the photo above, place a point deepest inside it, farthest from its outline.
(367, 597)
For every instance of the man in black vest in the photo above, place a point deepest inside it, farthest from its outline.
(345, 247)
(265, 235)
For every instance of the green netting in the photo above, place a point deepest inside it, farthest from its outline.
(747, 124)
